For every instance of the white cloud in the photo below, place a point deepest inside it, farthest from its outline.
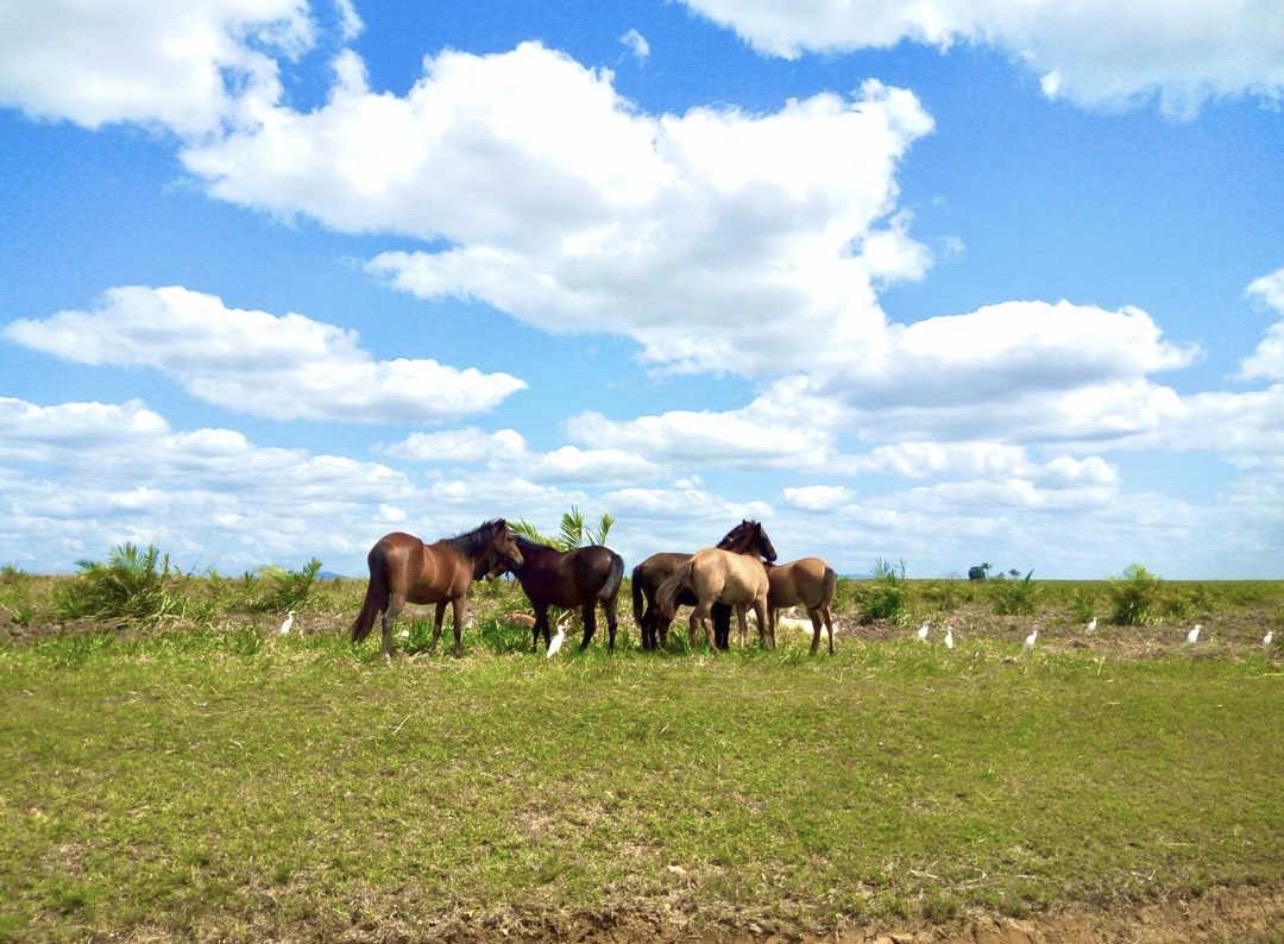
(350, 24)
(189, 66)
(1094, 53)
(636, 43)
(1267, 361)
(564, 205)
(507, 450)
(87, 476)
(1268, 290)
(284, 367)
(817, 497)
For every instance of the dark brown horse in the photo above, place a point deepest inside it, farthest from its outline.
(808, 581)
(403, 569)
(580, 578)
(714, 575)
(648, 575)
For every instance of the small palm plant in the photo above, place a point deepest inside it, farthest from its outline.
(573, 531)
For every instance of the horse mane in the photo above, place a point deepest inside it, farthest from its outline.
(474, 544)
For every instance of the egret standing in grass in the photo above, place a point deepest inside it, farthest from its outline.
(1192, 637)
(923, 631)
(1031, 640)
(949, 636)
(1266, 640)
(1092, 626)
(287, 624)
(555, 642)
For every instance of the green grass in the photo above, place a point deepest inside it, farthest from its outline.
(238, 786)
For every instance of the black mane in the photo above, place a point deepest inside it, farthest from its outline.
(474, 544)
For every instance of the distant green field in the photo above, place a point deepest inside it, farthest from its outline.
(218, 782)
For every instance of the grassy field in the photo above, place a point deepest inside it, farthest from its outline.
(206, 779)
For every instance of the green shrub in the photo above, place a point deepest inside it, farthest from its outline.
(1134, 597)
(886, 597)
(1013, 597)
(286, 589)
(134, 585)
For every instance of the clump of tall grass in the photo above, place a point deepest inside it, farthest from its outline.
(1013, 597)
(286, 589)
(134, 585)
(1134, 597)
(886, 597)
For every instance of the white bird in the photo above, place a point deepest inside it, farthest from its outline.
(556, 642)
(1266, 640)
(1092, 626)
(1192, 637)
(289, 622)
(1031, 640)
(923, 630)
(949, 636)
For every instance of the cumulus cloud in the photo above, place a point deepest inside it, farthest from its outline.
(283, 367)
(636, 44)
(191, 67)
(583, 213)
(1095, 53)
(1267, 361)
(87, 476)
(507, 450)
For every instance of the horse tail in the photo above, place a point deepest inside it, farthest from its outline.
(637, 594)
(376, 595)
(612, 585)
(830, 587)
(666, 596)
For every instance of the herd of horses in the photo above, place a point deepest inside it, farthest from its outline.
(737, 575)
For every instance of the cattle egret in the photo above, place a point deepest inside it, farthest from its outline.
(923, 630)
(1266, 640)
(1192, 637)
(556, 643)
(949, 636)
(289, 622)
(1031, 639)
(1092, 626)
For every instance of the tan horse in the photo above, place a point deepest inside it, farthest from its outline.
(717, 576)
(403, 569)
(808, 582)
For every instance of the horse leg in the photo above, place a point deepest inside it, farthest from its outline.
(395, 603)
(611, 624)
(815, 631)
(742, 624)
(590, 624)
(829, 625)
(541, 622)
(698, 619)
(460, 606)
(438, 617)
(765, 631)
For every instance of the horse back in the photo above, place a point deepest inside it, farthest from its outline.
(808, 580)
(727, 577)
(424, 573)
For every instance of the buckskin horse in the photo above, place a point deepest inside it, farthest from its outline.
(403, 569)
(808, 582)
(583, 578)
(714, 575)
(648, 575)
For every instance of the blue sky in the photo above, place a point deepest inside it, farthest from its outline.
(934, 283)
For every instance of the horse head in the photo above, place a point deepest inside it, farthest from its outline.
(749, 537)
(502, 554)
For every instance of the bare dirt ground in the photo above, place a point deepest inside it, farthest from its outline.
(1219, 916)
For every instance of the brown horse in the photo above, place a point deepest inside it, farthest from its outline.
(809, 582)
(583, 577)
(403, 569)
(714, 576)
(648, 575)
